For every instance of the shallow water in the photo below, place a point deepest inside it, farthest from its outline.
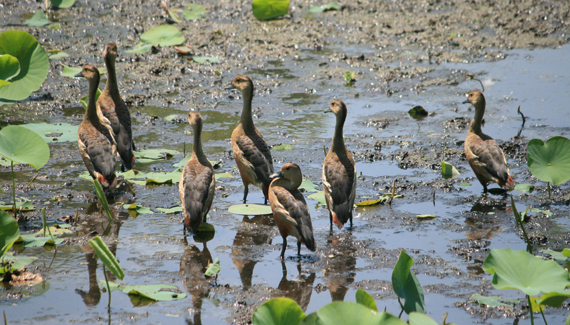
(151, 248)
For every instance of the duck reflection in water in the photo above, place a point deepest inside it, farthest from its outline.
(252, 236)
(339, 270)
(298, 289)
(193, 265)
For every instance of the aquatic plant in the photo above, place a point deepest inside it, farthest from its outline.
(407, 286)
(149, 292)
(102, 198)
(194, 12)
(250, 209)
(163, 35)
(269, 9)
(34, 65)
(550, 161)
(326, 7)
(39, 19)
(108, 260)
(20, 145)
(61, 3)
(9, 232)
(448, 170)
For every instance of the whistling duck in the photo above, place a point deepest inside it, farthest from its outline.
(484, 155)
(290, 209)
(115, 110)
(339, 172)
(252, 155)
(96, 143)
(197, 182)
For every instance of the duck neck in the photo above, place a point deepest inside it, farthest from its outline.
(475, 125)
(91, 113)
(112, 88)
(246, 119)
(197, 145)
(338, 138)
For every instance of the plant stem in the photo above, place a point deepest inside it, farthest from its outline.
(543, 318)
(548, 190)
(13, 189)
(519, 222)
(402, 311)
(109, 289)
(530, 310)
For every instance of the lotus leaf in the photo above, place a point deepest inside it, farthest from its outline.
(525, 272)
(550, 161)
(554, 299)
(416, 318)
(524, 188)
(448, 170)
(139, 209)
(140, 48)
(9, 232)
(25, 206)
(326, 7)
(319, 197)
(406, 284)
(62, 3)
(372, 202)
(269, 9)
(85, 99)
(250, 209)
(205, 233)
(23, 146)
(57, 55)
(213, 268)
(18, 262)
(308, 186)
(283, 147)
(39, 19)
(344, 312)
(426, 216)
(163, 35)
(171, 210)
(223, 175)
(155, 292)
(107, 257)
(34, 64)
(102, 198)
(364, 298)
(34, 240)
(61, 132)
(194, 12)
(202, 59)
(491, 301)
(9, 67)
(278, 311)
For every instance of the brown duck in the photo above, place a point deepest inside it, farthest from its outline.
(95, 139)
(197, 182)
(339, 172)
(290, 209)
(115, 110)
(484, 155)
(252, 155)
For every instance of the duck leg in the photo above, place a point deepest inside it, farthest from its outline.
(330, 219)
(245, 191)
(298, 248)
(284, 247)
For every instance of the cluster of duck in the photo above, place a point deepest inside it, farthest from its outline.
(106, 133)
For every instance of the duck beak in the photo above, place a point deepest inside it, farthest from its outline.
(465, 101)
(230, 87)
(275, 175)
(79, 75)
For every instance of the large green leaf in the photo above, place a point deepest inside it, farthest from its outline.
(250, 209)
(278, 311)
(18, 262)
(140, 48)
(9, 67)
(156, 292)
(35, 240)
(61, 132)
(9, 232)
(23, 146)
(62, 3)
(525, 272)
(420, 319)
(343, 312)
(489, 301)
(268, 9)
(34, 64)
(194, 12)
(107, 257)
(39, 19)
(319, 197)
(406, 285)
(364, 298)
(163, 35)
(550, 161)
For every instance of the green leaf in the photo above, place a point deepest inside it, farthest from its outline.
(25, 206)
(71, 71)
(491, 301)
(546, 212)
(372, 202)
(525, 272)
(156, 292)
(213, 268)
(308, 186)
(418, 113)
(554, 299)
(283, 147)
(327, 7)
(62, 3)
(34, 64)
(202, 59)
(39, 19)
(465, 184)
(406, 285)
(415, 318)
(102, 198)
(152, 155)
(550, 161)
(205, 233)
(9, 67)
(9, 232)
(194, 12)
(426, 216)
(223, 175)
(524, 188)
(163, 178)
(278, 311)
(319, 197)
(107, 257)
(85, 100)
(171, 210)
(4, 83)
(268, 9)
(250, 209)
(448, 170)
(60, 132)
(163, 35)
(343, 312)
(37, 240)
(138, 208)
(364, 298)
(559, 256)
(17, 262)
(140, 48)
(57, 55)
(23, 146)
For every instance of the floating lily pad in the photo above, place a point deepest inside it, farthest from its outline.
(448, 170)
(415, 318)
(163, 178)
(426, 216)
(184, 49)
(418, 113)
(550, 161)
(170, 210)
(138, 208)
(202, 59)
(56, 55)
(213, 268)
(140, 48)
(308, 186)
(62, 3)
(546, 212)
(39, 19)
(35, 240)
(381, 199)
(156, 292)
(205, 232)
(250, 209)
(60, 132)
(150, 155)
(26, 206)
(223, 175)
(465, 184)
(319, 197)
(269, 9)
(283, 147)
(490, 301)
(23, 146)
(17, 261)
(34, 64)
(559, 256)
(194, 12)
(327, 7)
(524, 188)
(9, 67)
(163, 35)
